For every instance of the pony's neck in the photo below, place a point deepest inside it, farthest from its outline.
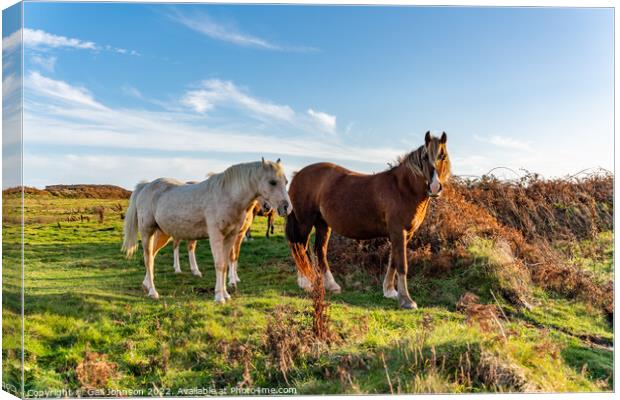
(410, 181)
(243, 195)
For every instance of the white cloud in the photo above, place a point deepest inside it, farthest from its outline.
(205, 25)
(215, 92)
(59, 90)
(132, 91)
(37, 38)
(326, 122)
(47, 63)
(11, 41)
(10, 84)
(505, 142)
(59, 114)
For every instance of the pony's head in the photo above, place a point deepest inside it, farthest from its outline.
(435, 162)
(272, 187)
(431, 161)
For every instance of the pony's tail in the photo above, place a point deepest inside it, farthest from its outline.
(130, 230)
(298, 247)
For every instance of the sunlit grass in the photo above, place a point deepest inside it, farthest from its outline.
(83, 296)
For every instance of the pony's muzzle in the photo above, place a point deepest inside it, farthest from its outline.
(434, 190)
(284, 209)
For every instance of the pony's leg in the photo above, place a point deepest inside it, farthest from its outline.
(272, 216)
(177, 262)
(220, 247)
(149, 262)
(233, 263)
(268, 225)
(399, 261)
(159, 241)
(229, 243)
(321, 240)
(389, 289)
(193, 265)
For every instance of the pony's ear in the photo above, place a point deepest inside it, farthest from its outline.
(278, 162)
(262, 159)
(444, 138)
(427, 138)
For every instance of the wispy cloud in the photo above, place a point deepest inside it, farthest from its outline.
(47, 63)
(39, 40)
(214, 95)
(12, 41)
(326, 122)
(60, 91)
(214, 92)
(10, 84)
(504, 142)
(206, 25)
(60, 114)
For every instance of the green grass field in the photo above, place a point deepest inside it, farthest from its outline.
(89, 325)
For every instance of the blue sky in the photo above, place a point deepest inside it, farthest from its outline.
(116, 93)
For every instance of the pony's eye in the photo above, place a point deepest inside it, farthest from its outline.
(442, 157)
(273, 183)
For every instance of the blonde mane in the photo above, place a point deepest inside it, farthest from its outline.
(243, 175)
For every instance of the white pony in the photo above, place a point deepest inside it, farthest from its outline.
(233, 278)
(215, 209)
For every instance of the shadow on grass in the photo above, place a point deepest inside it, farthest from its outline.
(598, 364)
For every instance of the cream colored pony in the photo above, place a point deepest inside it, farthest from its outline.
(233, 278)
(215, 209)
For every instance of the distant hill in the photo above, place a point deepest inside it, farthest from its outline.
(75, 191)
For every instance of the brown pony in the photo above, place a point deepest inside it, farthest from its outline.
(389, 204)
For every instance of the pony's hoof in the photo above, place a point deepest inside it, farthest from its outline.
(177, 271)
(220, 298)
(408, 305)
(197, 273)
(153, 294)
(334, 288)
(390, 294)
(304, 283)
(232, 284)
(226, 295)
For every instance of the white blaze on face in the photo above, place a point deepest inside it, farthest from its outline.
(435, 185)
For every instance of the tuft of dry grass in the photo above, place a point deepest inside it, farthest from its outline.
(320, 306)
(94, 371)
(287, 339)
(485, 315)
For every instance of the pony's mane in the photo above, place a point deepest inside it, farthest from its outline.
(413, 160)
(241, 174)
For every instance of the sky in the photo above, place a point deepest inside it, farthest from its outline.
(118, 93)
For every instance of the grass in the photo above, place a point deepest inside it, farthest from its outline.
(85, 310)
